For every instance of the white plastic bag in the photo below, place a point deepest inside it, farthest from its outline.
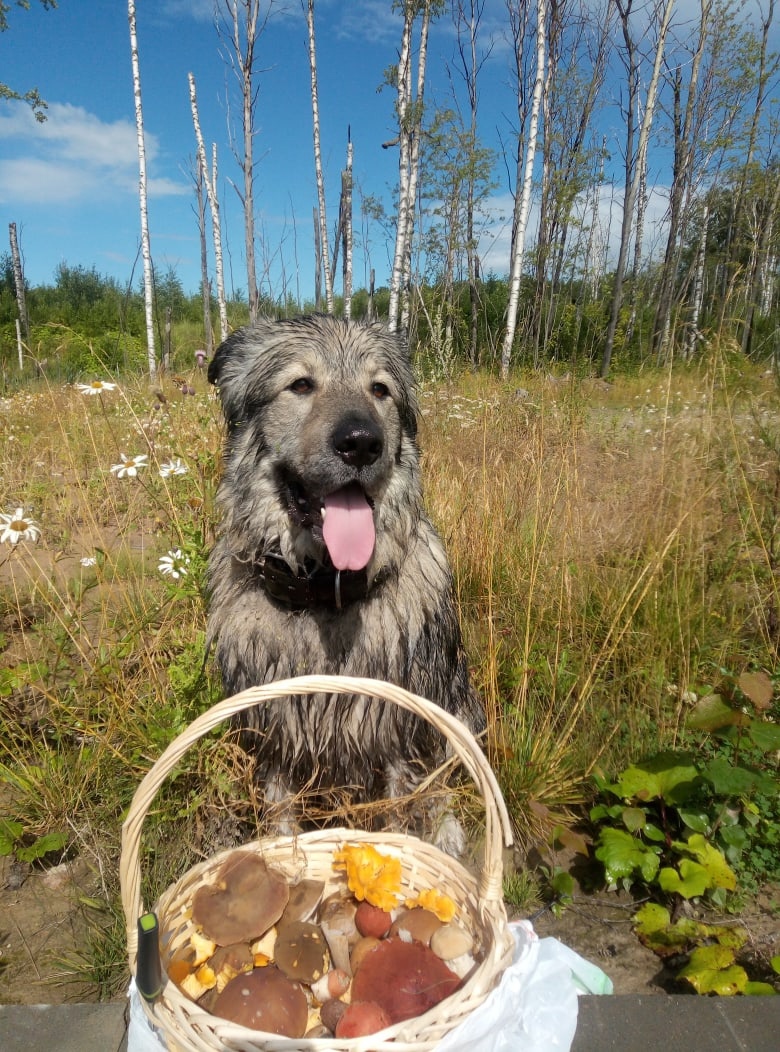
(533, 1008)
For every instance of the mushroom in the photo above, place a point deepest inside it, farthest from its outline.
(301, 951)
(265, 999)
(416, 925)
(230, 961)
(246, 900)
(371, 920)
(334, 984)
(330, 1013)
(304, 899)
(404, 978)
(337, 921)
(360, 1018)
(451, 941)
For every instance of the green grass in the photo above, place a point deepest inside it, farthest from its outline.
(613, 547)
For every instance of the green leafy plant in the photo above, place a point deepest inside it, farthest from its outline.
(678, 823)
(24, 848)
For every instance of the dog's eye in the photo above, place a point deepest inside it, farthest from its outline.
(303, 385)
(379, 390)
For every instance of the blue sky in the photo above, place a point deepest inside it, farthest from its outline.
(70, 184)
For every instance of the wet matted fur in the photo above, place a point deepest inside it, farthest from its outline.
(321, 472)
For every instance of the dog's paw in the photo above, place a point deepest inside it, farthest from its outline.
(450, 837)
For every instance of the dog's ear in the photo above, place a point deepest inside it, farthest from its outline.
(223, 353)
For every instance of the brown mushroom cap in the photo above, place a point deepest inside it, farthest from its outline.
(301, 951)
(404, 978)
(417, 923)
(265, 999)
(246, 900)
(304, 899)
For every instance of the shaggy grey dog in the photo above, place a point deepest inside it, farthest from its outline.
(327, 562)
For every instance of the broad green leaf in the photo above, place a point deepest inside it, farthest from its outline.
(9, 834)
(691, 882)
(720, 874)
(634, 818)
(775, 962)
(758, 687)
(42, 846)
(669, 776)
(713, 712)
(759, 989)
(623, 855)
(652, 832)
(765, 736)
(734, 836)
(695, 820)
(651, 917)
(711, 970)
(729, 780)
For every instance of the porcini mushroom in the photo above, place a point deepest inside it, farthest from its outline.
(265, 999)
(404, 978)
(301, 951)
(246, 900)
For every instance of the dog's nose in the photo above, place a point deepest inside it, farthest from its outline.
(358, 442)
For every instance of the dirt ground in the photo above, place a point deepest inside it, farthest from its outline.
(42, 925)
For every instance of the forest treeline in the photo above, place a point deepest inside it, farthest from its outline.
(695, 88)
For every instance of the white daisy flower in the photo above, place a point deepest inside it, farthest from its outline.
(17, 527)
(174, 564)
(175, 466)
(89, 560)
(129, 465)
(96, 387)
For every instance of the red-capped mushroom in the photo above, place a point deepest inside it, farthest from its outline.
(404, 978)
(361, 1018)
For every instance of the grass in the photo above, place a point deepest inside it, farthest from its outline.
(614, 547)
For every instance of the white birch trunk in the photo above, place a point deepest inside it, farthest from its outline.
(694, 334)
(404, 152)
(521, 213)
(210, 182)
(16, 264)
(315, 113)
(146, 251)
(348, 239)
(630, 201)
(205, 284)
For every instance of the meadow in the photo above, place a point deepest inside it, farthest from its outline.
(615, 548)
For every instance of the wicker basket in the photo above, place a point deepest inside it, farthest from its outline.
(186, 1026)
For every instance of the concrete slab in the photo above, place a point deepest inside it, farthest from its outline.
(620, 1023)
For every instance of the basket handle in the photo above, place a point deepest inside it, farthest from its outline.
(462, 742)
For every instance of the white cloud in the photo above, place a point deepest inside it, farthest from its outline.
(495, 240)
(72, 156)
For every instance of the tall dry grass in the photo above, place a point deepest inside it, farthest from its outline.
(614, 546)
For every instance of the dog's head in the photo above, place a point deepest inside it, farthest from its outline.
(321, 449)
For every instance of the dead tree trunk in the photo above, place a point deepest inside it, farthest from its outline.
(524, 204)
(146, 251)
(205, 283)
(315, 113)
(16, 263)
(632, 184)
(210, 181)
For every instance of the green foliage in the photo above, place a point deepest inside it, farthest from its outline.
(29, 848)
(685, 819)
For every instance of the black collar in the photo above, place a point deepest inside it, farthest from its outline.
(313, 586)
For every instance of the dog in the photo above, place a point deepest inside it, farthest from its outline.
(327, 562)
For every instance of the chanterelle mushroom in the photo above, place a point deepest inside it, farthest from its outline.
(246, 900)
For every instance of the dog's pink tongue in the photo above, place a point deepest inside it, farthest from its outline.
(348, 528)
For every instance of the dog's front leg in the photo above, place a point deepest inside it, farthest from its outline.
(280, 806)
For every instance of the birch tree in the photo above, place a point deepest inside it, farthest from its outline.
(409, 110)
(523, 189)
(146, 251)
(245, 26)
(205, 283)
(210, 182)
(323, 254)
(633, 180)
(16, 264)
